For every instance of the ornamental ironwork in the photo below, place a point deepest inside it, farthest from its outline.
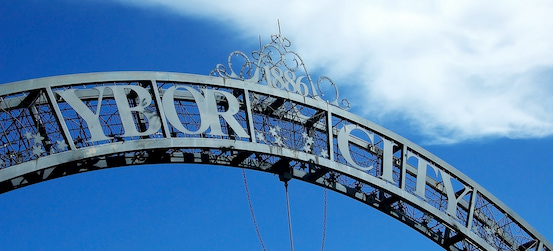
(276, 66)
(59, 126)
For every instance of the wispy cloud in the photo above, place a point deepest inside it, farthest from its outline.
(457, 70)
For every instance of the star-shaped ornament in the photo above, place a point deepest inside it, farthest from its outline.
(307, 148)
(272, 130)
(260, 137)
(295, 112)
(61, 145)
(28, 135)
(309, 141)
(324, 154)
(37, 150)
(278, 141)
(37, 138)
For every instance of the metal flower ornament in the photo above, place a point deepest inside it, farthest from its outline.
(275, 65)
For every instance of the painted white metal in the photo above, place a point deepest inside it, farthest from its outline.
(268, 116)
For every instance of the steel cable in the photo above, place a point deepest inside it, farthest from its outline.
(289, 217)
(324, 225)
(251, 210)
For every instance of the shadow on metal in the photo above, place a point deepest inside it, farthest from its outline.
(269, 116)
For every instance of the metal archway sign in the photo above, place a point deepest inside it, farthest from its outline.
(269, 115)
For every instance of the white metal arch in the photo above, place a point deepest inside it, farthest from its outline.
(58, 126)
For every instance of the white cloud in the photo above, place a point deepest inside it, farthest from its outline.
(457, 70)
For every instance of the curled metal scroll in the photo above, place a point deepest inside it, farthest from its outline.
(277, 66)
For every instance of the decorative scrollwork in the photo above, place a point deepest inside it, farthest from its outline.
(277, 66)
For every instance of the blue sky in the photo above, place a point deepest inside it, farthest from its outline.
(478, 99)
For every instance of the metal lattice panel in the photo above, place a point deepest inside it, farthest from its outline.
(268, 115)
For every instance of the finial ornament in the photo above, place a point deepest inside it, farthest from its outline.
(277, 66)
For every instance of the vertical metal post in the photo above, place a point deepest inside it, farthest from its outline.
(403, 167)
(289, 216)
(249, 116)
(330, 133)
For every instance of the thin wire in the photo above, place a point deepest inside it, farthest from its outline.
(9, 112)
(4, 131)
(324, 225)
(251, 210)
(289, 217)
